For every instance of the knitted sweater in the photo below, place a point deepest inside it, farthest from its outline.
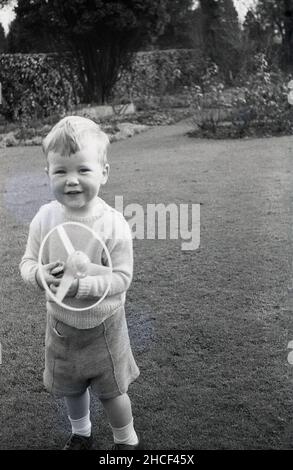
(113, 229)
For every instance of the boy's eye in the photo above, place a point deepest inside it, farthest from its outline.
(59, 172)
(84, 170)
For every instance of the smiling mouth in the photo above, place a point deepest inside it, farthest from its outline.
(73, 192)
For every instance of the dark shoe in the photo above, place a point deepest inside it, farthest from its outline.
(127, 446)
(76, 442)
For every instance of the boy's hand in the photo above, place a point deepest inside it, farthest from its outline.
(72, 290)
(48, 274)
(58, 270)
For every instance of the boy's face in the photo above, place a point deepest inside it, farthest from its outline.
(76, 180)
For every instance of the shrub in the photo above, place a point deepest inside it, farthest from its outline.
(208, 103)
(155, 74)
(37, 85)
(265, 103)
(257, 106)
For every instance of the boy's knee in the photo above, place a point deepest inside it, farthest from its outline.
(119, 398)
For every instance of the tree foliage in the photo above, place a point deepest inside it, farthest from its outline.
(221, 34)
(276, 20)
(26, 33)
(101, 34)
(177, 33)
(251, 27)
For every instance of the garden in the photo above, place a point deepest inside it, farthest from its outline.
(233, 84)
(256, 105)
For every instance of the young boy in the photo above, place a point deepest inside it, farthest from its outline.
(89, 348)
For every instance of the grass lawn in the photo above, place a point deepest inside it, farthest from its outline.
(208, 327)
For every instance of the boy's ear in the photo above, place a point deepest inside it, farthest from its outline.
(106, 171)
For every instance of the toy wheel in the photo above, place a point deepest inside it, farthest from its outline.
(72, 244)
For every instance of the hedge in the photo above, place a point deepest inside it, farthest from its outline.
(38, 85)
(160, 72)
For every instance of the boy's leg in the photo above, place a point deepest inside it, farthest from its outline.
(78, 408)
(120, 417)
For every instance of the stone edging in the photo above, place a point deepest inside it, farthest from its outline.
(124, 131)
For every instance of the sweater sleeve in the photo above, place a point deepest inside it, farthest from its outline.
(121, 253)
(29, 262)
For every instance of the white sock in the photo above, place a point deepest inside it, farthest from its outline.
(81, 426)
(125, 435)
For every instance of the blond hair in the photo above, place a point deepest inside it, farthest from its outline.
(74, 133)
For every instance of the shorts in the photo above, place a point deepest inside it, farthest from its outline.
(100, 358)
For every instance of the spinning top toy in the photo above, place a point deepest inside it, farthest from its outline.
(77, 264)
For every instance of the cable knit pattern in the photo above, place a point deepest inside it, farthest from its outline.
(113, 229)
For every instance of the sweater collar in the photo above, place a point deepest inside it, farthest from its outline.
(95, 213)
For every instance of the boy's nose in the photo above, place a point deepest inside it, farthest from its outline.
(72, 181)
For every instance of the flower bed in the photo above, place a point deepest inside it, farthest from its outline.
(117, 127)
(259, 107)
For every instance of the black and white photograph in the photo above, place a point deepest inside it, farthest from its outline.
(146, 169)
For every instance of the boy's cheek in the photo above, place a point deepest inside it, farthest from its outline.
(57, 192)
